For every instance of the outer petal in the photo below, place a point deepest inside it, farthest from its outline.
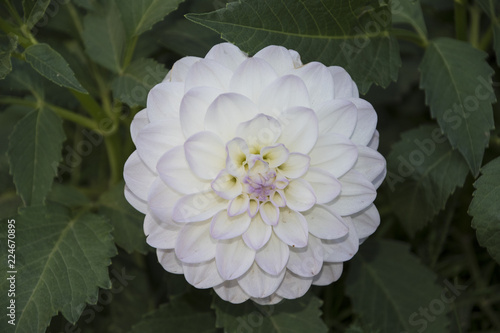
(294, 286)
(299, 195)
(330, 272)
(257, 283)
(205, 154)
(194, 106)
(299, 129)
(269, 213)
(164, 101)
(252, 77)
(134, 201)
(161, 201)
(231, 291)
(285, 92)
(371, 164)
(337, 116)
(208, 73)
(357, 194)
(296, 58)
(160, 235)
(227, 227)
(334, 153)
(318, 80)
(296, 166)
(140, 120)
(194, 244)
(273, 257)
(342, 82)
(367, 121)
(257, 234)
(342, 249)
(278, 57)
(138, 177)
(269, 300)
(324, 223)
(226, 112)
(373, 144)
(326, 187)
(203, 275)
(366, 221)
(180, 69)
(233, 258)
(198, 206)
(169, 261)
(226, 54)
(306, 261)
(292, 228)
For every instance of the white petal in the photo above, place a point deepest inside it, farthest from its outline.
(278, 198)
(299, 129)
(318, 80)
(326, 187)
(366, 221)
(226, 112)
(164, 101)
(160, 235)
(269, 300)
(180, 69)
(366, 124)
(237, 153)
(208, 73)
(138, 176)
(194, 244)
(252, 77)
(274, 155)
(233, 258)
(285, 92)
(257, 234)
(296, 165)
(169, 261)
(134, 201)
(337, 116)
(253, 207)
(161, 201)
(294, 286)
(357, 194)
(296, 58)
(325, 224)
(344, 248)
(330, 272)
(198, 206)
(226, 54)
(334, 153)
(231, 291)
(269, 213)
(273, 257)
(238, 205)
(292, 228)
(155, 139)
(176, 173)
(202, 275)
(257, 283)
(140, 120)
(194, 106)
(205, 154)
(259, 132)
(371, 164)
(373, 144)
(342, 83)
(226, 185)
(278, 57)
(299, 195)
(226, 227)
(306, 261)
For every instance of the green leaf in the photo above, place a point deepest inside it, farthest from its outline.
(344, 33)
(292, 316)
(409, 12)
(490, 7)
(179, 316)
(140, 15)
(485, 208)
(127, 222)
(23, 78)
(457, 83)
(423, 172)
(33, 11)
(68, 196)
(104, 37)
(34, 152)
(46, 61)
(61, 262)
(7, 45)
(389, 288)
(133, 85)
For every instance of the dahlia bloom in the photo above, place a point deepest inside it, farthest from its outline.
(257, 174)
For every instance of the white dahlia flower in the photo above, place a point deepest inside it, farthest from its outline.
(257, 174)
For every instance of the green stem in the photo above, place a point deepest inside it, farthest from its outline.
(460, 20)
(411, 36)
(485, 41)
(129, 53)
(113, 147)
(76, 19)
(13, 12)
(475, 24)
(89, 104)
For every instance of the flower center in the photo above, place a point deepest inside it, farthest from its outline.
(259, 182)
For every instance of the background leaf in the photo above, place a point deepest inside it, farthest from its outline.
(292, 316)
(423, 172)
(46, 61)
(457, 83)
(33, 11)
(485, 208)
(7, 45)
(388, 287)
(335, 32)
(490, 8)
(61, 262)
(34, 152)
(409, 12)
